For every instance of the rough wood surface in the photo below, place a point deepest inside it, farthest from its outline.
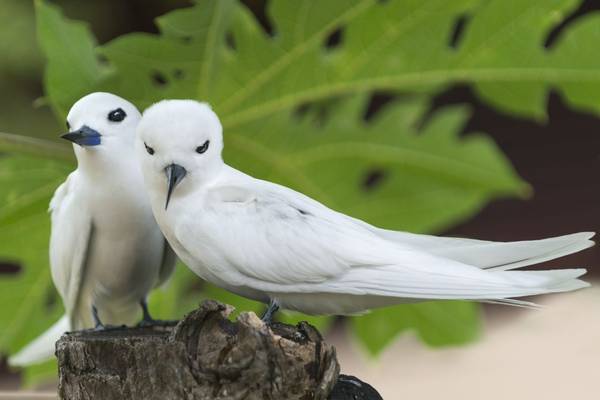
(205, 356)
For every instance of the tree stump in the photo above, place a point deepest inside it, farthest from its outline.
(204, 356)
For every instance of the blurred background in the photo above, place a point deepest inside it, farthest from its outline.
(521, 354)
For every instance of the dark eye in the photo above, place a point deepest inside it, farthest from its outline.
(68, 126)
(203, 148)
(149, 149)
(117, 115)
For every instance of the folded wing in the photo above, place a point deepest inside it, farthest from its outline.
(72, 233)
(276, 240)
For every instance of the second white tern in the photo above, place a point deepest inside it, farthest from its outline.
(270, 243)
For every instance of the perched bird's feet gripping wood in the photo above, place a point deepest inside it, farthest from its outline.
(148, 321)
(272, 308)
(99, 326)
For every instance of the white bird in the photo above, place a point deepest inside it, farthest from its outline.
(270, 243)
(106, 250)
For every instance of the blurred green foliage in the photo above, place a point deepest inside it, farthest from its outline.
(20, 62)
(293, 112)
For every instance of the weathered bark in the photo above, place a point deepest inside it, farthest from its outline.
(205, 356)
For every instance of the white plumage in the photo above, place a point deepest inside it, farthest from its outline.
(106, 249)
(270, 243)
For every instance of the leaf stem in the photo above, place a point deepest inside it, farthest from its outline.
(20, 144)
(407, 80)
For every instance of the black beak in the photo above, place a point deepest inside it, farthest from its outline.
(85, 136)
(175, 174)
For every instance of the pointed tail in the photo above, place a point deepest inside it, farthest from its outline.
(493, 255)
(41, 348)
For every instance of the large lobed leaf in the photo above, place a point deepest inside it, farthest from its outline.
(30, 303)
(402, 45)
(403, 169)
(72, 66)
(437, 323)
(429, 178)
(422, 179)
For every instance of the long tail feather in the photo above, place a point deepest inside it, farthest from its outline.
(493, 255)
(42, 348)
(398, 282)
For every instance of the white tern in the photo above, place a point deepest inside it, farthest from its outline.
(270, 243)
(106, 250)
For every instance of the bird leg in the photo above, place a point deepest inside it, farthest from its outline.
(147, 319)
(267, 317)
(98, 325)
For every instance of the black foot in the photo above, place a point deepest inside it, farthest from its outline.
(147, 319)
(267, 317)
(98, 325)
(108, 328)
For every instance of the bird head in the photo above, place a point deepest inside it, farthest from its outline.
(177, 141)
(101, 121)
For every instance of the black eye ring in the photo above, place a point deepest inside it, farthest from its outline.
(149, 149)
(117, 115)
(203, 148)
(68, 126)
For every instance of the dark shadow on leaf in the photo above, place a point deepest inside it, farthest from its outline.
(334, 39)
(102, 60)
(301, 110)
(259, 9)
(316, 112)
(230, 40)
(585, 8)
(373, 179)
(51, 299)
(378, 101)
(458, 30)
(159, 79)
(178, 74)
(9, 268)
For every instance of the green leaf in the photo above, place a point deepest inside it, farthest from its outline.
(26, 186)
(176, 297)
(43, 372)
(20, 144)
(293, 108)
(516, 30)
(448, 323)
(581, 83)
(430, 178)
(31, 302)
(400, 45)
(17, 29)
(72, 67)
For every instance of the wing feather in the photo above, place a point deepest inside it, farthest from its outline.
(70, 239)
(492, 255)
(273, 239)
(276, 236)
